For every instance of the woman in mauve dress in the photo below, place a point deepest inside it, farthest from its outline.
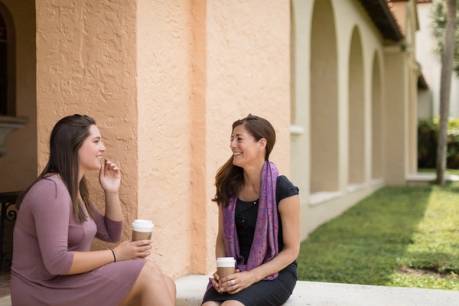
(56, 223)
(258, 222)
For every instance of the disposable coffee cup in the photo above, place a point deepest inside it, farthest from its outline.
(142, 229)
(225, 266)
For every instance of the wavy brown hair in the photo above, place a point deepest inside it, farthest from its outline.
(230, 178)
(66, 139)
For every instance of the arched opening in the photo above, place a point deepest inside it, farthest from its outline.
(7, 63)
(324, 100)
(376, 119)
(356, 148)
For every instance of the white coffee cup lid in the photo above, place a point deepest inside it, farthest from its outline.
(224, 262)
(142, 225)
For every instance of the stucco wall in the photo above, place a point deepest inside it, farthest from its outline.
(19, 165)
(86, 64)
(247, 72)
(202, 65)
(164, 79)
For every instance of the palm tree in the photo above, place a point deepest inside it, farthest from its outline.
(447, 58)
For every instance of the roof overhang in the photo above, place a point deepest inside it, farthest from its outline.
(382, 17)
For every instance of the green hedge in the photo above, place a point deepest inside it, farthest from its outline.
(427, 143)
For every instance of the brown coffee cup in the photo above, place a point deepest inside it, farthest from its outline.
(225, 266)
(140, 235)
(142, 229)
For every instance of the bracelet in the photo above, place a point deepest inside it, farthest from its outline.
(114, 256)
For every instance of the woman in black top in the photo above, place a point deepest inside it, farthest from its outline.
(272, 281)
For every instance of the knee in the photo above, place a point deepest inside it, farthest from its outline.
(170, 282)
(232, 303)
(210, 304)
(151, 273)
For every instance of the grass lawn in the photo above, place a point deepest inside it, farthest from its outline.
(399, 236)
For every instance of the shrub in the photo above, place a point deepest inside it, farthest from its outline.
(427, 143)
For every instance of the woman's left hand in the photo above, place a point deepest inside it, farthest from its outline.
(237, 282)
(110, 176)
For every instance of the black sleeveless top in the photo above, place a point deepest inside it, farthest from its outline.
(246, 216)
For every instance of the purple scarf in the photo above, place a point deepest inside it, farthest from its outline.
(265, 245)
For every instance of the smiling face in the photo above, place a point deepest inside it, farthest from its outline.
(246, 149)
(91, 152)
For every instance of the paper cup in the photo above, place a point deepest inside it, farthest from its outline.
(142, 229)
(225, 266)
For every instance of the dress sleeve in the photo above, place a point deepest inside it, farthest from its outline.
(51, 213)
(284, 188)
(107, 229)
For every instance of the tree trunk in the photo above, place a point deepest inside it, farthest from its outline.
(445, 89)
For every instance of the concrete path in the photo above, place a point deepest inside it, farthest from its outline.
(190, 290)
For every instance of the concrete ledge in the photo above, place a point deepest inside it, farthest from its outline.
(425, 179)
(190, 290)
(5, 301)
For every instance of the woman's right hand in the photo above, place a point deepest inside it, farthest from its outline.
(132, 249)
(215, 280)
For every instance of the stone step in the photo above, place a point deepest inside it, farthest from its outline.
(190, 290)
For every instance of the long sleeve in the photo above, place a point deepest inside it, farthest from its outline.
(107, 229)
(51, 211)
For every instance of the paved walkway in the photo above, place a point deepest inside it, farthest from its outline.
(191, 288)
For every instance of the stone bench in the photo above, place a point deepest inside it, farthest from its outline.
(5, 301)
(190, 290)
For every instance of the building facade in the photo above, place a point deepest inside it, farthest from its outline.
(165, 80)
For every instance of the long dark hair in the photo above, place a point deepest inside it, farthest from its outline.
(230, 178)
(66, 139)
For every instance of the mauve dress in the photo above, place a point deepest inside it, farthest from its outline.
(45, 235)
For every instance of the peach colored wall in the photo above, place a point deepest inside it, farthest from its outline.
(86, 64)
(202, 65)
(248, 71)
(164, 150)
(20, 162)
(165, 80)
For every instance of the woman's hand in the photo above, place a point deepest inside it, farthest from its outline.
(132, 249)
(237, 282)
(110, 176)
(215, 280)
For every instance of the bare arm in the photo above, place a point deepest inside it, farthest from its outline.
(110, 180)
(289, 209)
(113, 206)
(109, 226)
(219, 248)
(220, 244)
